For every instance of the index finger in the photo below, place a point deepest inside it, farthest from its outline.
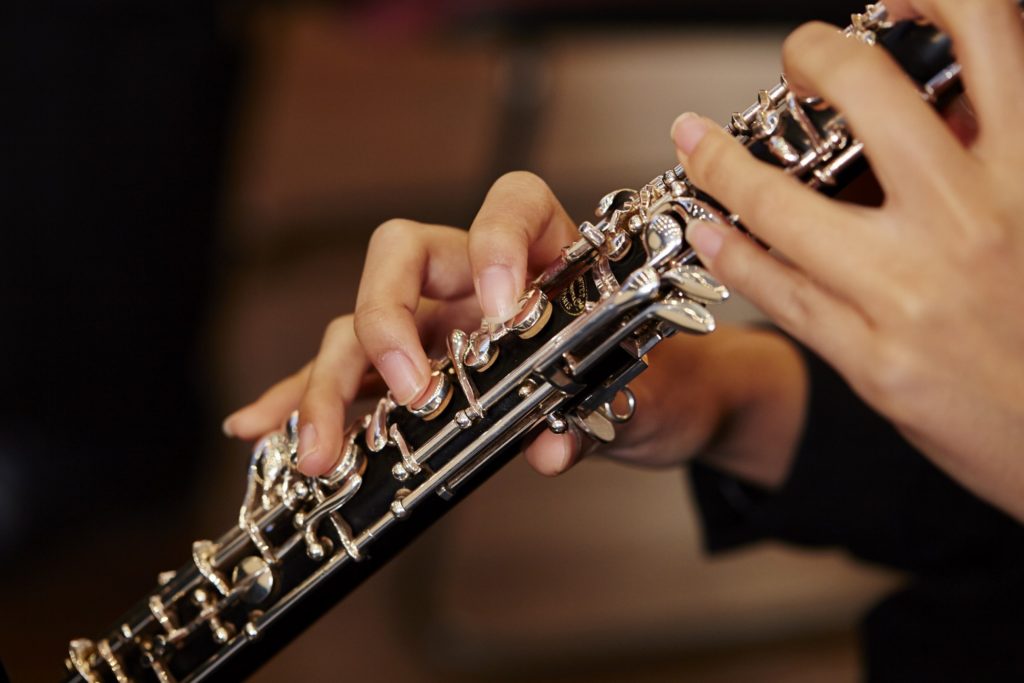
(520, 225)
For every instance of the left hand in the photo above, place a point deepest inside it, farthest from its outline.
(916, 302)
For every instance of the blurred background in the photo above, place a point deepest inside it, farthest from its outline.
(188, 189)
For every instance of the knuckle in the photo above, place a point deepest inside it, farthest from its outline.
(337, 328)
(525, 181)
(392, 232)
(798, 310)
(803, 44)
(891, 376)
(371, 320)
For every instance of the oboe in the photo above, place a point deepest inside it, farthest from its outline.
(563, 361)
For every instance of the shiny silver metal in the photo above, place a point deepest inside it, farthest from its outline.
(287, 517)
(458, 345)
(696, 283)
(595, 426)
(377, 429)
(258, 575)
(202, 556)
(533, 314)
(607, 409)
(112, 661)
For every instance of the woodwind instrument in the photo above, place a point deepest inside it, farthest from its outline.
(564, 361)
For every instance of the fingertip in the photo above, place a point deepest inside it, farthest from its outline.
(314, 464)
(706, 238)
(552, 454)
(226, 426)
(497, 291)
(247, 423)
(687, 132)
(406, 379)
(314, 453)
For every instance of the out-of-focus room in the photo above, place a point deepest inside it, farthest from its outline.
(191, 191)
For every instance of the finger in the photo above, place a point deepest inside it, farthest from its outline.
(989, 44)
(520, 225)
(805, 226)
(269, 411)
(867, 86)
(833, 327)
(552, 454)
(334, 381)
(404, 262)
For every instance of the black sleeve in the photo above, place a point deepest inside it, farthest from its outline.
(857, 484)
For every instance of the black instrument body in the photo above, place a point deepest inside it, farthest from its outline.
(921, 50)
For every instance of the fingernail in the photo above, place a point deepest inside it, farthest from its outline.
(308, 443)
(225, 426)
(687, 132)
(401, 376)
(706, 238)
(497, 289)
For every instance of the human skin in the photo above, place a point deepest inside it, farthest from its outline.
(913, 301)
(740, 393)
(916, 302)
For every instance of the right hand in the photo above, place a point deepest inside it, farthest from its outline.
(736, 398)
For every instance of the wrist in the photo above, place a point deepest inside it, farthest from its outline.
(762, 407)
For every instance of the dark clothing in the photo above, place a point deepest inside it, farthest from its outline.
(857, 484)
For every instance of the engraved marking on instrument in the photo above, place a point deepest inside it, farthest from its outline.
(574, 298)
